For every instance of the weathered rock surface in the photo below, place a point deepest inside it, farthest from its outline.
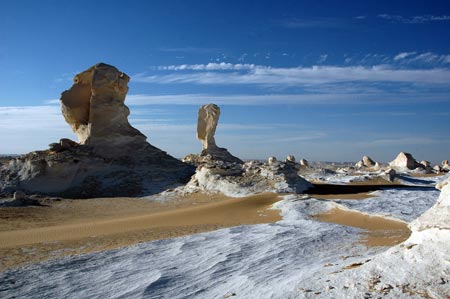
(208, 118)
(111, 159)
(404, 161)
(366, 161)
(272, 160)
(94, 107)
(304, 162)
(290, 158)
(445, 165)
(235, 179)
(438, 168)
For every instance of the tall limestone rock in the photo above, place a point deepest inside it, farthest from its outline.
(111, 157)
(94, 107)
(208, 118)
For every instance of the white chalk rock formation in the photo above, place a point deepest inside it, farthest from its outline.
(252, 177)
(390, 174)
(366, 161)
(445, 165)
(208, 118)
(272, 160)
(94, 108)
(290, 158)
(437, 168)
(304, 162)
(404, 161)
(111, 158)
(425, 163)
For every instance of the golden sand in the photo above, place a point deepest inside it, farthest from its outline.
(34, 234)
(379, 230)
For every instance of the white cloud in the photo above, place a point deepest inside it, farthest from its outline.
(259, 74)
(414, 19)
(403, 55)
(404, 141)
(359, 97)
(31, 127)
(427, 57)
(208, 67)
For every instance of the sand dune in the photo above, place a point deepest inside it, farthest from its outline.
(112, 231)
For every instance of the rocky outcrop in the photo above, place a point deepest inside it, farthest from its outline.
(253, 177)
(271, 160)
(111, 158)
(404, 161)
(445, 165)
(208, 118)
(290, 158)
(437, 169)
(304, 162)
(94, 107)
(366, 161)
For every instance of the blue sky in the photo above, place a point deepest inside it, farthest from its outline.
(323, 80)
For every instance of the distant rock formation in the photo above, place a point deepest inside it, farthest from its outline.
(272, 160)
(208, 118)
(366, 161)
(437, 168)
(304, 162)
(290, 158)
(445, 165)
(425, 163)
(252, 177)
(111, 158)
(404, 161)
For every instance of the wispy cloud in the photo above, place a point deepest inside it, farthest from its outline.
(404, 141)
(258, 74)
(307, 23)
(403, 55)
(414, 19)
(208, 67)
(278, 99)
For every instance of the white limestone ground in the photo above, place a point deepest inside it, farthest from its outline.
(293, 258)
(417, 268)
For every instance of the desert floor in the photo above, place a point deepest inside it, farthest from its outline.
(67, 227)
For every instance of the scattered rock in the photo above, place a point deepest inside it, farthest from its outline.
(445, 165)
(19, 199)
(234, 179)
(19, 195)
(390, 174)
(304, 162)
(438, 169)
